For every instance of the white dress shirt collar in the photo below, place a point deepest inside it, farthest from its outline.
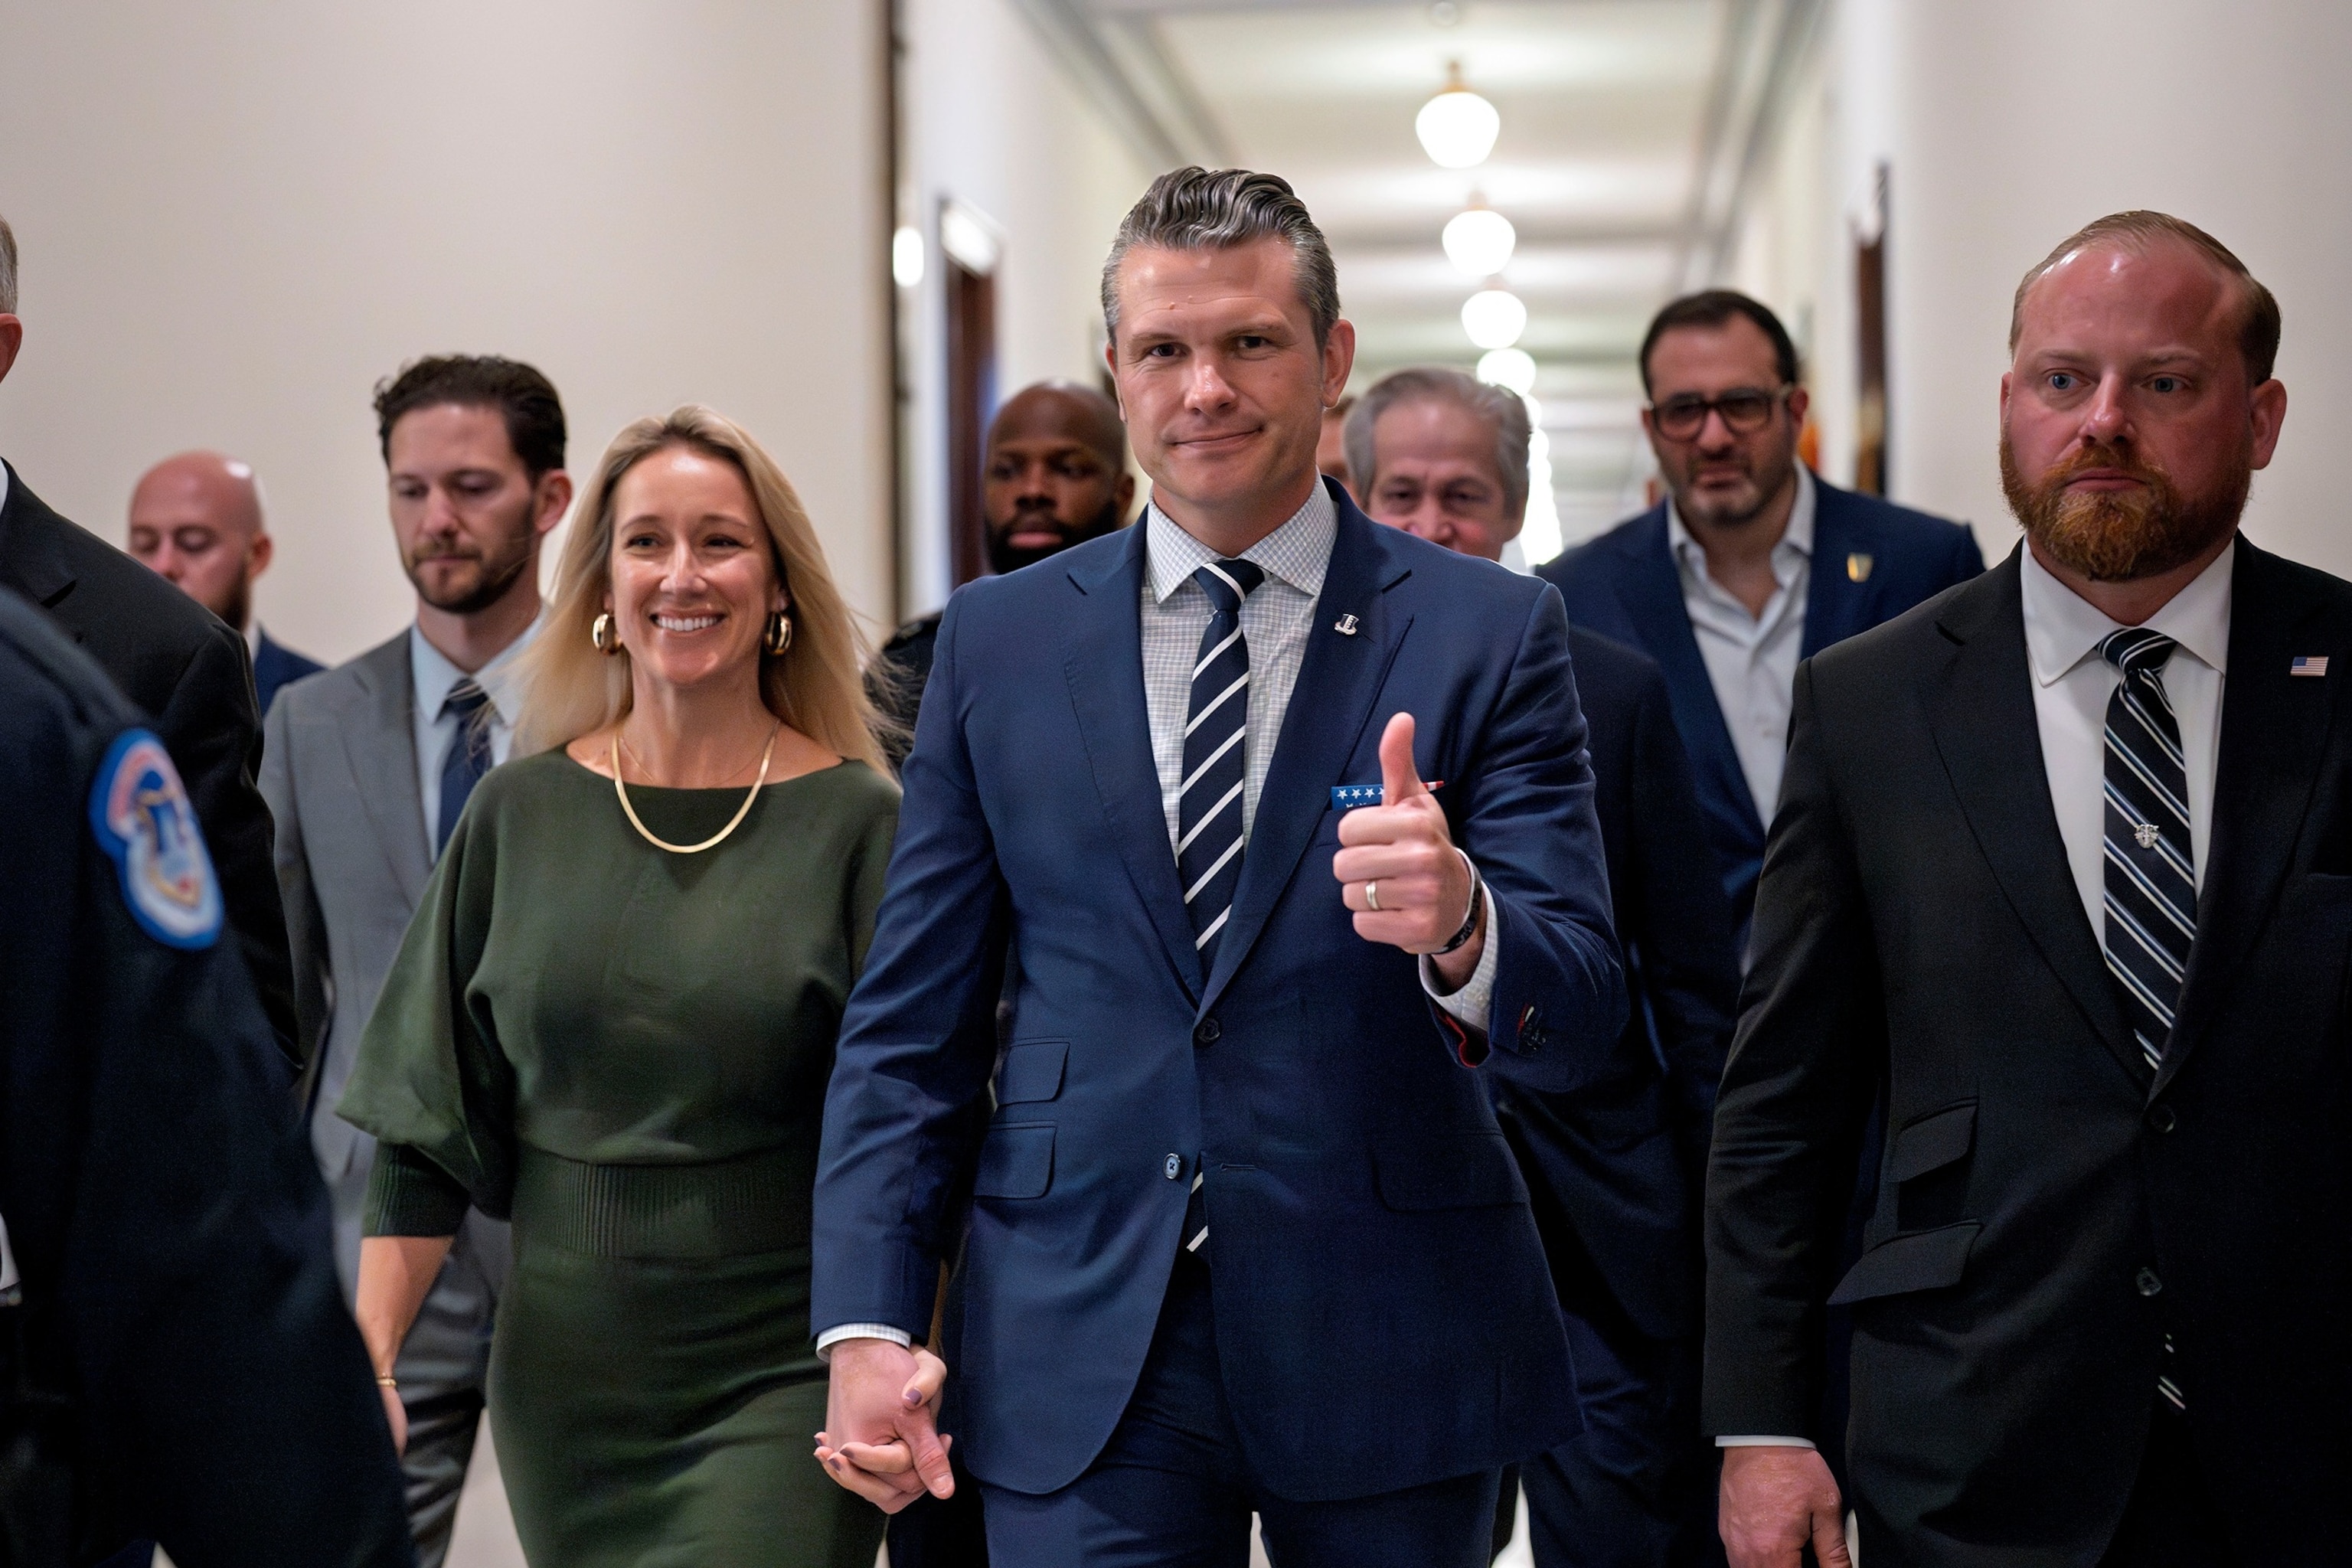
(500, 679)
(2063, 628)
(1297, 553)
(1794, 549)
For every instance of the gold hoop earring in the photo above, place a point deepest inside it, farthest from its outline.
(604, 635)
(779, 636)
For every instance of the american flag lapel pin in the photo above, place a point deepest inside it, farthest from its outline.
(2313, 665)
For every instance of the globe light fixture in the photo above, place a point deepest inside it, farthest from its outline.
(1479, 242)
(907, 257)
(1457, 128)
(1493, 318)
(1512, 369)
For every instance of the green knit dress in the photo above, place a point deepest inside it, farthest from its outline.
(627, 1051)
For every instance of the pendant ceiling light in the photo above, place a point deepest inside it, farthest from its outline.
(1511, 368)
(1457, 128)
(1479, 241)
(1493, 318)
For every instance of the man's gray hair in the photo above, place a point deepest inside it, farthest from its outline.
(7, 268)
(1505, 412)
(1199, 209)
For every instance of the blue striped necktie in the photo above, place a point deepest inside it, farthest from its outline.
(2152, 883)
(1209, 803)
(467, 757)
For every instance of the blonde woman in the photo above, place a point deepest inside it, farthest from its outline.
(613, 1018)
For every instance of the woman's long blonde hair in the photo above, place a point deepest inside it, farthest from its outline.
(815, 686)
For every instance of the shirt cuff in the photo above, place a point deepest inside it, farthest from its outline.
(1472, 1003)
(1746, 1442)
(831, 1337)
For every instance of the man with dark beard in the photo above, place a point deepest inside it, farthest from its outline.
(1055, 476)
(367, 769)
(2074, 904)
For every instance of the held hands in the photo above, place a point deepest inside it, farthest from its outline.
(1775, 1501)
(1399, 855)
(881, 1439)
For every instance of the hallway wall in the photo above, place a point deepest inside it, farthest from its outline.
(2009, 123)
(235, 217)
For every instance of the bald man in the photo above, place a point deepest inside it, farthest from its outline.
(196, 519)
(1055, 474)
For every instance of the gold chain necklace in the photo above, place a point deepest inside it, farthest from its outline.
(717, 838)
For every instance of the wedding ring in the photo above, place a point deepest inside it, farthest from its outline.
(1372, 895)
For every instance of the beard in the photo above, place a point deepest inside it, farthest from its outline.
(236, 605)
(1004, 556)
(2122, 536)
(493, 568)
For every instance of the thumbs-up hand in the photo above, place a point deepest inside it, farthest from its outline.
(1398, 868)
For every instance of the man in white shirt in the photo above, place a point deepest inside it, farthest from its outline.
(367, 769)
(1717, 581)
(2062, 872)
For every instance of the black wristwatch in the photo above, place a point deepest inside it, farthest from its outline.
(1477, 903)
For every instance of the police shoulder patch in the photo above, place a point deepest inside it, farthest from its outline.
(143, 820)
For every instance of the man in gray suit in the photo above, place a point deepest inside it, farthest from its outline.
(366, 768)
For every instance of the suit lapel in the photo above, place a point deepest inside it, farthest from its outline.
(1650, 588)
(2274, 732)
(1981, 712)
(1837, 600)
(1104, 664)
(1329, 706)
(380, 747)
(31, 561)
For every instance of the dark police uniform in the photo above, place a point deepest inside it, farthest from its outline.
(177, 1364)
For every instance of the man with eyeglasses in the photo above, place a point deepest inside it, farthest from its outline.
(1749, 564)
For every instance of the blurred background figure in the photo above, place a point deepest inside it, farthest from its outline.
(1055, 475)
(1719, 581)
(1615, 1168)
(367, 771)
(613, 1018)
(183, 670)
(196, 519)
(175, 1362)
(1331, 449)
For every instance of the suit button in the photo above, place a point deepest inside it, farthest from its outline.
(1206, 1032)
(2161, 1118)
(1175, 1166)
(2146, 1281)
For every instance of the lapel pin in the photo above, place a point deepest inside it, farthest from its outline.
(2148, 833)
(1857, 568)
(1346, 627)
(2308, 665)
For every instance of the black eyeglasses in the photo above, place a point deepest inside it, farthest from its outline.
(1745, 409)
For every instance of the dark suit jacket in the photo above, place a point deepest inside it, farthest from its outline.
(2046, 1217)
(188, 672)
(1871, 561)
(180, 1293)
(1384, 1316)
(1616, 1166)
(274, 664)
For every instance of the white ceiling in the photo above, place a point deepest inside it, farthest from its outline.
(1625, 126)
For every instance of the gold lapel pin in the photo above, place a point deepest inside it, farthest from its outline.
(1857, 568)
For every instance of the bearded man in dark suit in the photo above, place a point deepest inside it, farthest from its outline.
(2074, 905)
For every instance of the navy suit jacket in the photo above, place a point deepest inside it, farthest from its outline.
(276, 665)
(1617, 1165)
(1384, 1316)
(1871, 561)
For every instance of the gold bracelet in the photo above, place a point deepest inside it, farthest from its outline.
(384, 1382)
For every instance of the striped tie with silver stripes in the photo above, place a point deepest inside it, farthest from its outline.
(2151, 884)
(1209, 803)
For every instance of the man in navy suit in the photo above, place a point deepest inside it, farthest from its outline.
(196, 519)
(1244, 1234)
(1615, 1167)
(1749, 564)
